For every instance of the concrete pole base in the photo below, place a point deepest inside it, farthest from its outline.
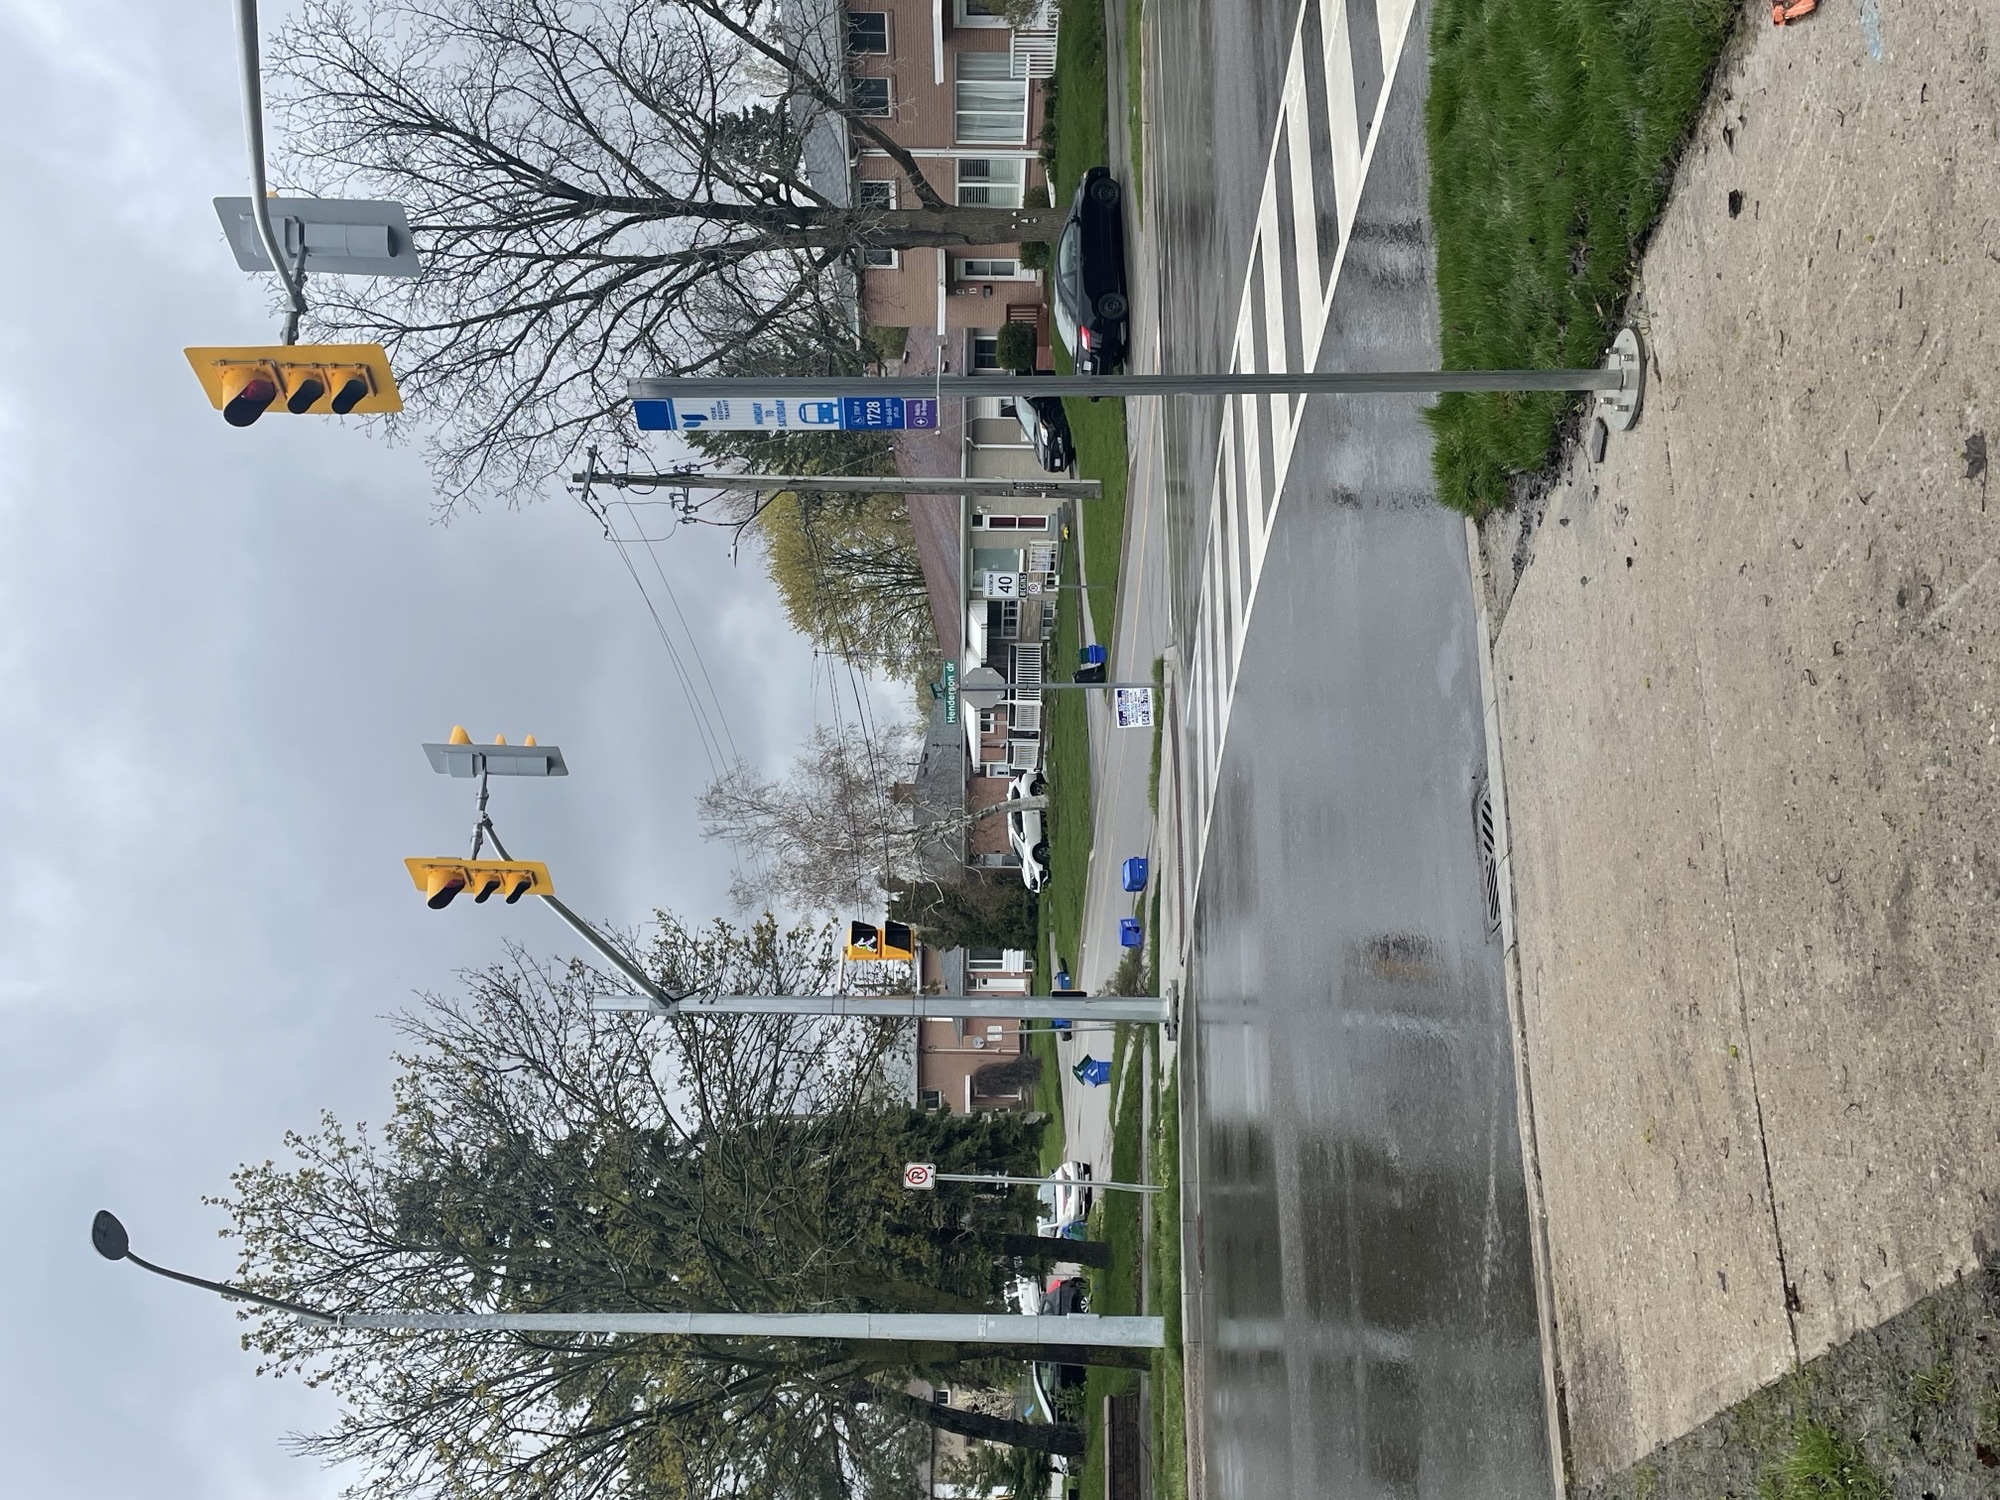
(1620, 408)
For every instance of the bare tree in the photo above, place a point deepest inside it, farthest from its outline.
(600, 188)
(835, 833)
(828, 836)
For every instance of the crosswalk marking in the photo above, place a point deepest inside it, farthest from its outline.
(1343, 61)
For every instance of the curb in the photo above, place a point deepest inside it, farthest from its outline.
(1554, 1390)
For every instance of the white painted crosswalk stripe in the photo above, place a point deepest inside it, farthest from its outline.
(1344, 57)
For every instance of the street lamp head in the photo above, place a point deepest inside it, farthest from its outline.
(108, 1236)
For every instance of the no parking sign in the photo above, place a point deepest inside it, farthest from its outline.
(920, 1174)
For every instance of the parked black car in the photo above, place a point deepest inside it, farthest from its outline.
(1046, 426)
(1089, 276)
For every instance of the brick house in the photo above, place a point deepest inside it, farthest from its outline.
(949, 1054)
(961, 89)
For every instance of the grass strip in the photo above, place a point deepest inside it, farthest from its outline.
(1066, 763)
(1134, 93)
(1079, 120)
(1048, 1100)
(1553, 134)
(1163, 1249)
(1115, 1219)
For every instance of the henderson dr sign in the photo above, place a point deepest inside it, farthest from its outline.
(784, 414)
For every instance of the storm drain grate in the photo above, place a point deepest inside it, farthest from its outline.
(1489, 855)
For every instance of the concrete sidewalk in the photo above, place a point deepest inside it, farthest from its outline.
(1749, 704)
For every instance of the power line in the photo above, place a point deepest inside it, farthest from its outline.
(693, 645)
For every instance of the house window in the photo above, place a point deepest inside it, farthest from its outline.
(932, 1099)
(870, 95)
(985, 351)
(989, 721)
(989, 269)
(992, 182)
(991, 105)
(978, 13)
(875, 192)
(1003, 619)
(1011, 523)
(984, 960)
(868, 31)
(877, 259)
(996, 768)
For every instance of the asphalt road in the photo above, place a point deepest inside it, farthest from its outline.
(1366, 1321)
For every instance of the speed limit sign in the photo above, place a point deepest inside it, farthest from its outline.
(920, 1174)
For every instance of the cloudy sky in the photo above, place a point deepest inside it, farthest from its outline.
(221, 652)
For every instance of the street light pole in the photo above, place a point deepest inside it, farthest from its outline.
(111, 1241)
(1142, 1009)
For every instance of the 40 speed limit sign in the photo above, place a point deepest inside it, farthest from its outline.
(920, 1174)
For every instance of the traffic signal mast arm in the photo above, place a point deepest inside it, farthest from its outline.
(661, 1000)
(253, 132)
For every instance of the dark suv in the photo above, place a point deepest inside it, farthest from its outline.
(1089, 276)
(1046, 426)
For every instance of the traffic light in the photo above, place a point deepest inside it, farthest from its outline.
(866, 942)
(245, 382)
(441, 880)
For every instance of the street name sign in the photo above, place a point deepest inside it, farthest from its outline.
(856, 413)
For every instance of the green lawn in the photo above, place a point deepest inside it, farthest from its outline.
(1553, 134)
(1163, 1250)
(1078, 122)
(1115, 1219)
(1082, 141)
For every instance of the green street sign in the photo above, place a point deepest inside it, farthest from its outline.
(950, 686)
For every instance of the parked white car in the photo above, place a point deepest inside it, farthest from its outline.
(1064, 1200)
(1024, 831)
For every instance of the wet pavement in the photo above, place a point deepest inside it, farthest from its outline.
(1364, 1321)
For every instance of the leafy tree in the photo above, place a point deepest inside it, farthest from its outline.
(543, 1157)
(847, 569)
(599, 188)
(982, 910)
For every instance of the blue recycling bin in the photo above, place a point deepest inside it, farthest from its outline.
(1091, 656)
(1134, 877)
(1128, 932)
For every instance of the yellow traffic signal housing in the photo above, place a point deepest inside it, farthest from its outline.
(245, 381)
(441, 880)
(866, 942)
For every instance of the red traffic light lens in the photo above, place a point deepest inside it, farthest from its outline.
(444, 884)
(351, 394)
(302, 397)
(251, 402)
